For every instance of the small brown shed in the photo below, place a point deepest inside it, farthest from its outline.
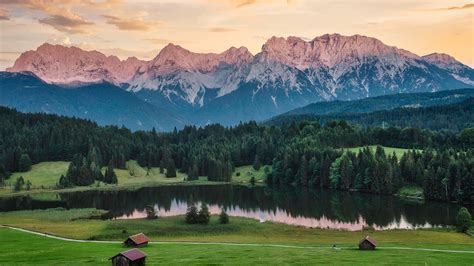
(367, 243)
(132, 257)
(137, 240)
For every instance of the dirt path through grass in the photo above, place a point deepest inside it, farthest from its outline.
(228, 244)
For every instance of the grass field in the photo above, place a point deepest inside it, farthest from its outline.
(45, 175)
(411, 192)
(388, 150)
(24, 248)
(246, 173)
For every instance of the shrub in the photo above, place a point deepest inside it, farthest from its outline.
(19, 183)
(463, 220)
(204, 215)
(223, 217)
(191, 215)
(24, 164)
(150, 212)
(252, 180)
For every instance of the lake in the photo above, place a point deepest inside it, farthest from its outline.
(297, 206)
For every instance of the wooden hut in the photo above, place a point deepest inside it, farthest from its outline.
(132, 257)
(367, 243)
(138, 240)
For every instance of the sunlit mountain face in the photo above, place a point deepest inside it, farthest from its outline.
(235, 85)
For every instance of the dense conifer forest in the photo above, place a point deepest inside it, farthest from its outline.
(453, 117)
(301, 153)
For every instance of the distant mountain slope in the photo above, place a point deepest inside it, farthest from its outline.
(454, 116)
(384, 102)
(235, 85)
(104, 103)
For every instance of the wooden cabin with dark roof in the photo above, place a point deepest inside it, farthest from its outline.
(367, 243)
(132, 257)
(138, 240)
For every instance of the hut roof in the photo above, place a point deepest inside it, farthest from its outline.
(370, 240)
(139, 238)
(132, 254)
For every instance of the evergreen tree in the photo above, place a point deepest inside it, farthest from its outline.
(110, 176)
(19, 183)
(24, 164)
(193, 173)
(162, 167)
(256, 163)
(28, 185)
(150, 212)
(204, 215)
(252, 181)
(223, 217)
(191, 215)
(463, 220)
(171, 169)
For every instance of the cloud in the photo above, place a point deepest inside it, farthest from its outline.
(243, 3)
(466, 6)
(136, 24)
(158, 40)
(63, 40)
(59, 14)
(4, 14)
(65, 23)
(221, 29)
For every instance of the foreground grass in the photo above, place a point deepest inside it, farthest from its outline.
(24, 248)
(45, 175)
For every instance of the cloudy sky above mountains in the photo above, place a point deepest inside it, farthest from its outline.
(141, 28)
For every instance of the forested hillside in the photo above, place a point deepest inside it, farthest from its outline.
(453, 117)
(306, 154)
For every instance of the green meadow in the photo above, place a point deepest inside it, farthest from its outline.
(295, 244)
(45, 175)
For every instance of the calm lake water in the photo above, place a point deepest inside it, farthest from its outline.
(297, 206)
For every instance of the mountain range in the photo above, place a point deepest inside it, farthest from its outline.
(180, 87)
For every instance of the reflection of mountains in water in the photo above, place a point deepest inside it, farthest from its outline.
(314, 208)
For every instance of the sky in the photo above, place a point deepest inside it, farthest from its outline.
(141, 28)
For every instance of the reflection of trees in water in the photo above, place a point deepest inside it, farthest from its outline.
(345, 206)
(27, 203)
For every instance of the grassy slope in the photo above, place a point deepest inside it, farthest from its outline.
(44, 177)
(42, 174)
(388, 150)
(25, 248)
(246, 173)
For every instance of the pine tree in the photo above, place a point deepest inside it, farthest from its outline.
(171, 169)
(256, 163)
(204, 215)
(19, 184)
(463, 220)
(193, 173)
(223, 217)
(110, 176)
(24, 164)
(191, 215)
(162, 167)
